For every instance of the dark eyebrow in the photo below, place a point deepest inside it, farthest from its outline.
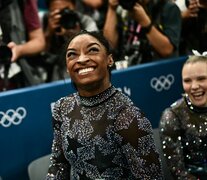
(91, 44)
(70, 49)
(202, 76)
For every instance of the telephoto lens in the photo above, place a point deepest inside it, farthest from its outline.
(69, 18)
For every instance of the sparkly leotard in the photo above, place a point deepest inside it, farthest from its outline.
(183, 129)
(102, 137)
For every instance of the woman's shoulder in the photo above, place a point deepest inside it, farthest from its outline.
(177, 104)
(128, 107)
(125, 100)
(170, 8)
(175, 108)
(65, 101)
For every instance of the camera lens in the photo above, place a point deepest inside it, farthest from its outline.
(69, 18)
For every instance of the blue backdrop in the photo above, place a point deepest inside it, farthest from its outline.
(25, 114)
(41, 4)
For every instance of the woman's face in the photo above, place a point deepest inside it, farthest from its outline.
(87, 63)
(194, 77)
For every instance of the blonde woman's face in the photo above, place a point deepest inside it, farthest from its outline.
(194, 79)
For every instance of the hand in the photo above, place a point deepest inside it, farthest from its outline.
(15, 51)
(53, 21)
(113, 4)
(139, 14)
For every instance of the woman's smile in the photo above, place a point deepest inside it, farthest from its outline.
(85, 71)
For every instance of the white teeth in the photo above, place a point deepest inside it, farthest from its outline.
(83, 71)
(198, 94)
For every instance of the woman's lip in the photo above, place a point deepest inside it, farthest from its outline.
(198, 96)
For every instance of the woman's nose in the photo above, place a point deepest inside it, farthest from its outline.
(82, 59)
(195, 85)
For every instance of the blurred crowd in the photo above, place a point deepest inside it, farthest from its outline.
(33, 34)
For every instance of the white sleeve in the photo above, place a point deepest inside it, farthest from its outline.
(181, 4)
(89, 23)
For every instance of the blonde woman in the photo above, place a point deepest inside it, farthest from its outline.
(183, 126)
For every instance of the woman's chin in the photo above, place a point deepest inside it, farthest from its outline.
(200, 103)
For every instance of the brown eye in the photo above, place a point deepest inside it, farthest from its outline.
(186, 80)
(93, 49)
(202, 78)
(71, 55)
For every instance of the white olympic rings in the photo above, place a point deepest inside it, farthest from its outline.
(162, 83)
(11, 116)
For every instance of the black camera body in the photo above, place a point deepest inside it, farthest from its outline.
(128, 4)
(69, 18)
(5, 55)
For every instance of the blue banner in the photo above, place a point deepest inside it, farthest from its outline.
(25, 114)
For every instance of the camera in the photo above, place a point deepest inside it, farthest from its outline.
(5, 55)
(128, 4)
(69, 18)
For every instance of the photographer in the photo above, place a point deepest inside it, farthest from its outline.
(144, 30)
(22, 33)
(62, 21)
(194, 17)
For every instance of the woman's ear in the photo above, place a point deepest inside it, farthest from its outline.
(110, 60)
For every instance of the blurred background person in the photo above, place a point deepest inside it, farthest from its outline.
(194, 25)
(143, 31)
(183, 125)
(62, 20)
(21, 31)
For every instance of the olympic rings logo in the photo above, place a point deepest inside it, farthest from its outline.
(11, 116)
(162, 83)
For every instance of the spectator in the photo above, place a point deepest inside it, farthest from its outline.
(143, 31)
(183, 125)
(22, 32)
(194, 25)
(98, 132)
(62, 21)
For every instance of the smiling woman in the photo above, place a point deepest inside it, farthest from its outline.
(195, 80)
(98, 132)
(88, 63)
(183, 126)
